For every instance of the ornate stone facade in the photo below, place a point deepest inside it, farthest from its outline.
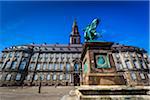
(106, 63)
(59, 64)
(46, 64)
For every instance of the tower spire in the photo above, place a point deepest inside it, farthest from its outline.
(75, 35)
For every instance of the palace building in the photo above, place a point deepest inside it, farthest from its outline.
(62, 64)
(50, 64)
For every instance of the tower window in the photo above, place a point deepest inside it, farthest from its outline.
(75, 41)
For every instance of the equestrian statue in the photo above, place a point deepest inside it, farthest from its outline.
(90, 33)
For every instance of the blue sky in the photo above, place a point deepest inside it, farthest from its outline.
(26, 22)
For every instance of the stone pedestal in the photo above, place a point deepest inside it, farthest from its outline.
(98, 66)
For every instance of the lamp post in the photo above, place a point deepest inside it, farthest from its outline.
(40, 85)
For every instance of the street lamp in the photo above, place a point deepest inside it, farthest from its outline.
(40, 85)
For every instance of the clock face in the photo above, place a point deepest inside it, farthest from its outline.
(102, 61)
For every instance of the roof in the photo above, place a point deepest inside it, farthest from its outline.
(47, 48)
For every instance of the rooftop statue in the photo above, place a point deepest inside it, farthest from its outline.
(90, 33)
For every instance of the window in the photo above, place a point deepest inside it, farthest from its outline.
(142, 76)
(22, 65)
(31, 67)
(17, 55)
(128, 64)
(38, 67)
(1, 65)
(28, 77)
(136, 64)
(76, 67)
(36, 77)
(41, 77)
(85, 67)
(4, 56)
(26, 55)
(8, 77)
(44, 66)
(148, 76)
(18, 77)
(117, 55)
(126, 54)
(14, 64)
(133, 76)
(67, 76)
(0, 76)
(10, 54)
(61, 66)
(55, 66)
(60, 77)
(54, 76)
(46, 58)
(119, 66)
(8, 63)
(50, 66)
(67, 67)
(48, 77)
(144, 65)
(33, 58)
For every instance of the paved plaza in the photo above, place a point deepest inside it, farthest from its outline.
(31, 93)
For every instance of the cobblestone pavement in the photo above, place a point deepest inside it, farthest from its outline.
(31, 93)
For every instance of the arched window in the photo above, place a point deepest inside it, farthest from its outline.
(76, 67)
(8, 77)
(18, 77)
